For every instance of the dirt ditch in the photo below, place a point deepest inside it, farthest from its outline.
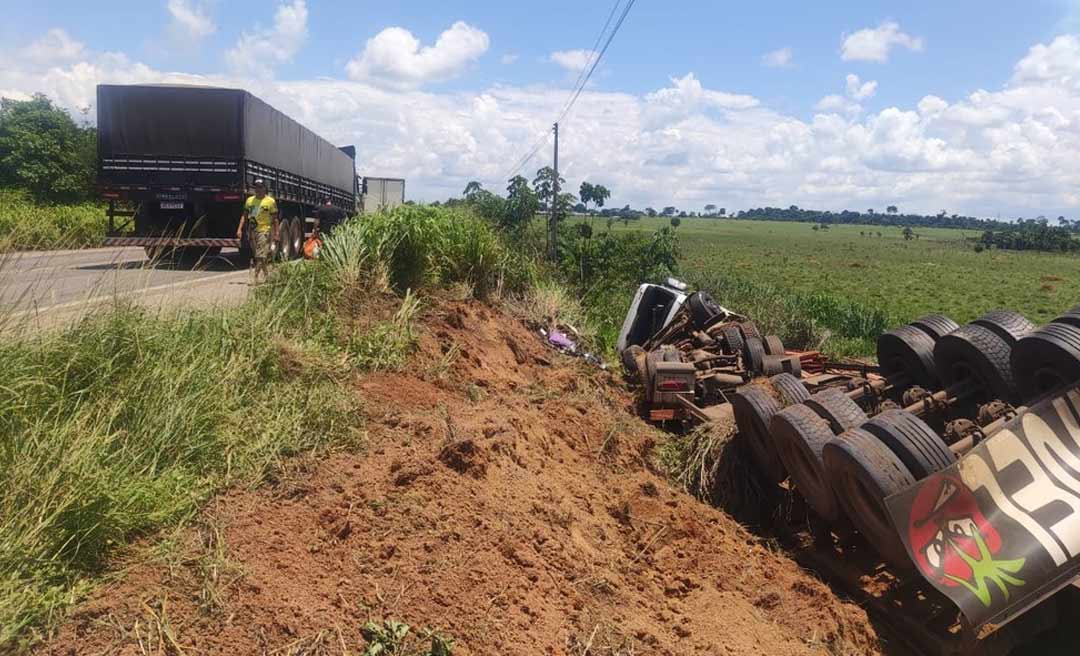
(507, 498)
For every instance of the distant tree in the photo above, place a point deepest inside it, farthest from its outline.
(816, 227)
(710, 208)
(908, 233)
(472, 189)
(870, 211)
(585, 193)
(891, 209)
(521, 205)
(600, 194)
(723, 211)
(43, 151)
(683, 214)
(544, 184)
(580, 208)
(1062, 221)
(675, 222)
(862, 233)
(650, 211)
(669, 211)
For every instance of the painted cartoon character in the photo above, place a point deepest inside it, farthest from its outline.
(955, 545)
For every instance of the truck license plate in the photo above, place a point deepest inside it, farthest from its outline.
(172, 205)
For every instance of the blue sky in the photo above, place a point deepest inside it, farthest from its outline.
(832, 105)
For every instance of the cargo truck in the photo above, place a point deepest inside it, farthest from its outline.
(381, 194)
(176, 163)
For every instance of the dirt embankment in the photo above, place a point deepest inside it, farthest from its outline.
(507, 499)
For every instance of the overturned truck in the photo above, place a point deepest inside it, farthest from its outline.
(941, 486)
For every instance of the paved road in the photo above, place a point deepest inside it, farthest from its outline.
(53, 286)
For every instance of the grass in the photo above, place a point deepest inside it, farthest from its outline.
(128, 421)
(25, 225)
(871, 280)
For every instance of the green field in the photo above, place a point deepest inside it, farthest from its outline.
(936, 273)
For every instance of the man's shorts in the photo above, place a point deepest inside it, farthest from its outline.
(261, 247)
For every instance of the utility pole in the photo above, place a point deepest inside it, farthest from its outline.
(553, 226)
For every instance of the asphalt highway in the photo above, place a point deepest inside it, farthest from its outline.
(49, 287)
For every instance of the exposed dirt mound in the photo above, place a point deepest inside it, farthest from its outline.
(507, 499)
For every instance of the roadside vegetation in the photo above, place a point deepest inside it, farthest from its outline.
(128, 421)
(47, 165)
(26, 224)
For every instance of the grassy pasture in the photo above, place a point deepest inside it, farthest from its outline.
(904, 279)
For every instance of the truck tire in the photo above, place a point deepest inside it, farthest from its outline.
(773, 345)
(754, 409)
(754, 355)
(909, 352)
(1047, 359)
(296, 233)
(921, 450)
(935, 325)
(703, 309)
(284, 241)
(837, 409)
(1071, 317)
(799, 435)
(750, 329)
(977, 354)
(733, 337)
(792, 364)
(790, 388)
(629, 358)
(772, 365)
(1008, 325)
(863, 472)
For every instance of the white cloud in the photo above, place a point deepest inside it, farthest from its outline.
(836, 103)
(780, 58)
(395, 57)
(573, 61)
(858, 89)
(874, 44)
(508, 58)
(1010, 151)
(56, 47)
(190, 20)
(259, 51)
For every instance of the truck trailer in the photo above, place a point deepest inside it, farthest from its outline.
(177, 162)
(381, 194)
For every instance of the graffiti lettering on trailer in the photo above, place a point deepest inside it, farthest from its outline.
(1000, 530)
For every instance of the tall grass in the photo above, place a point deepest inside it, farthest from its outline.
(838, 326)
(418, 246)
(26, 225)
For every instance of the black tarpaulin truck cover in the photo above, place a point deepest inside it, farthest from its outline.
(210, 122)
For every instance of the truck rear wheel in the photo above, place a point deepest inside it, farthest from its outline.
(754, 409)
(284, 240)
(296, 231)
(863, 472)
(799, 435)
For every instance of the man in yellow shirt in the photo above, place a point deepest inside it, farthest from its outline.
(261, 211)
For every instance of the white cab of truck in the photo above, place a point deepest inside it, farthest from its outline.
(654, 307)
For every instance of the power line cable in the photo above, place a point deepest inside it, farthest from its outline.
(596, 62)
(579, 85)
(594, 52)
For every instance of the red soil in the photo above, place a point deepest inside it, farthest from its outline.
(509, 501)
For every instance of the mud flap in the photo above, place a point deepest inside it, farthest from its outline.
(999, 531)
